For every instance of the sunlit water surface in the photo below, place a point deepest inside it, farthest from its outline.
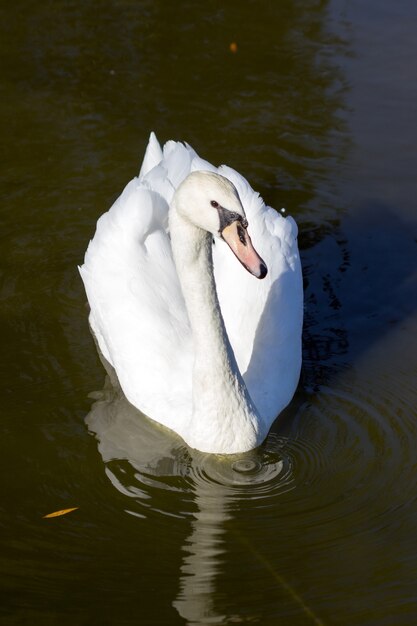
(317, 108)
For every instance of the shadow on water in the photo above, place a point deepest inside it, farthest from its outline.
(360, 283)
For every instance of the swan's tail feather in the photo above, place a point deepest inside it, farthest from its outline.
(153, 156)
(177, 160)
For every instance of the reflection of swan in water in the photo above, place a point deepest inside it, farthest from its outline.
(170, 479)
(156, 453)
(204, 549)
(121, 435)
(157, 456)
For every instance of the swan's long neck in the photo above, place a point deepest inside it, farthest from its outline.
(224, 418)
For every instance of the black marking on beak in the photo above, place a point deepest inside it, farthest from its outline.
(228, 217)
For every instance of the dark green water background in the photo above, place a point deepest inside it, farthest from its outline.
(318, 109)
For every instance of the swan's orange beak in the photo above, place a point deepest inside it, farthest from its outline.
(237, 238)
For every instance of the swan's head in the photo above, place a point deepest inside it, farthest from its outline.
(211, 202)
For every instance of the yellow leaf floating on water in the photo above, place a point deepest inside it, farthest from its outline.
(61, 512)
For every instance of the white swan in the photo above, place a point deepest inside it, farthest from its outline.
(217, 375)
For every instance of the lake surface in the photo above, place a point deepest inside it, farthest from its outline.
(316, 106)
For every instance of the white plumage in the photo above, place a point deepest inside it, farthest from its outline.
(139, 316)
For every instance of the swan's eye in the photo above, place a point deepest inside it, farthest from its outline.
(215, 204)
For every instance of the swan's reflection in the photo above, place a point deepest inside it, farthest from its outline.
(160, 473)
(201, 563)
(157, 456)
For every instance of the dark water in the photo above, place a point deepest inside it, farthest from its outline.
(318, 109)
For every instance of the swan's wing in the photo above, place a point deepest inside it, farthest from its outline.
(263, 317)
(137, 309)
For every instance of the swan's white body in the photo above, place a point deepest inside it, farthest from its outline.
(161, 328)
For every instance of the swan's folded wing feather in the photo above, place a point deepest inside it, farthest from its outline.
(137, 308)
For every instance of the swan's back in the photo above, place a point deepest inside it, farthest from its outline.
(137, 309)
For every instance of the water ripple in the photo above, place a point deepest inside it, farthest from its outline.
(344, 447)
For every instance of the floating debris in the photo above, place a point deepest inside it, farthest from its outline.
(61, 512)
